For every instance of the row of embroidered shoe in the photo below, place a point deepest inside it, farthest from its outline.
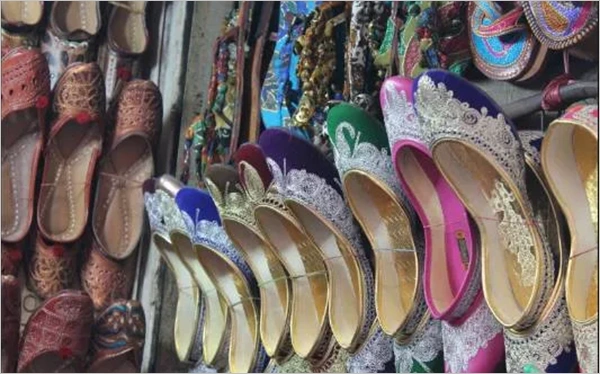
(476, 281)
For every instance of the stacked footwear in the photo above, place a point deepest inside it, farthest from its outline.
(81, 173)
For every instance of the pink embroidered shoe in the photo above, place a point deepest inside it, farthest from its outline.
(472, 338)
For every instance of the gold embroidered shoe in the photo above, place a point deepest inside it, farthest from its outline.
(236, 208)
(548, 344)
(479, 153)
(232, 276)
(378, 203)
(308, 183)
(163, 213)
(569, 159)
(208, 316)
(472, 338)
(309, 328)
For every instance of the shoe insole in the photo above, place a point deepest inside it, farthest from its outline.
(65, 191)
(273, 284)
(347, 291)
(244, 340)
(389, 231)
(128, 28)
(187, 310)
(570, 160)
(20, 155)
(585, 266)
(216, 318)
(444, 219)
(73, 16)
(26, 12)
(310, 287)
(510, 268)
(119, 207)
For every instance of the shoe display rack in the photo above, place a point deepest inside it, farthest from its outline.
(190, 283)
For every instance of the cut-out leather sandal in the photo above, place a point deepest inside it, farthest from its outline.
(165, 217)
(70, 36)
(309, 328)
(52, 267)
(74, 145)
(236, 208)
(232, 276)
(503, 46)
(25, 100)
(105, 279)
(11, 322)
(126, 40)
(57, 335)
(570, 164)
(378, 203)
(118, 215)
(308, 183)
(479, 153)
(548, 344)
(452, 274)
(118, 339)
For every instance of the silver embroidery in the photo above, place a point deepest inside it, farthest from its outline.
(423, 348)
(543, 346)
(514, 238)
(372, 356)
(586, 343)
(399, 116)
(527, 137)
(163, 213)
(446, 117)
(364, 156)
(462, 343)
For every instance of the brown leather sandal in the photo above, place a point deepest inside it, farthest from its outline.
(118, 339)
(52, 268)
(25, 99)
(105, 279)
(74, 145)
(11, 321)
(57, 336)
(119, 204)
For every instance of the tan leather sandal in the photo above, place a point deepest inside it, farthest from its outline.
(25, 99)
(74, 145)
(118, 208)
